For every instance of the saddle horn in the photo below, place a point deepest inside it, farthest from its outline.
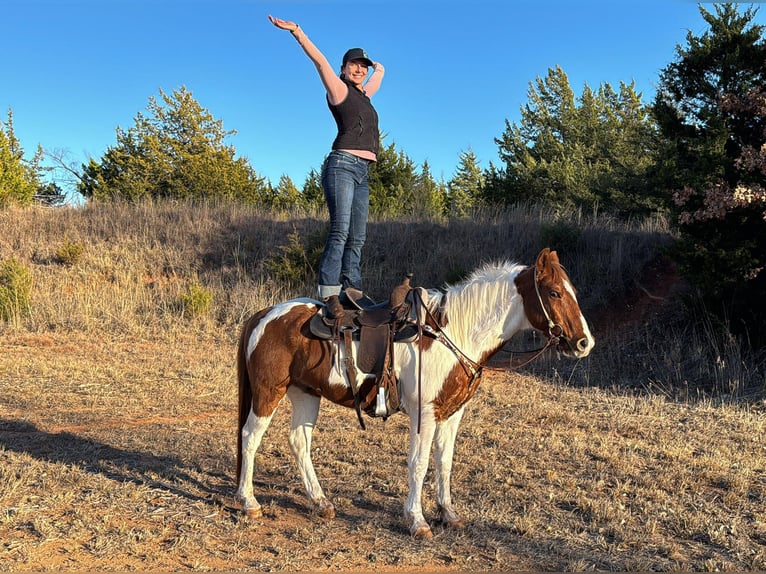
(399, 294)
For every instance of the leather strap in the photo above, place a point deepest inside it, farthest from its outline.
(351, 373)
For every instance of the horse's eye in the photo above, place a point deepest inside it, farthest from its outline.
(555, 295)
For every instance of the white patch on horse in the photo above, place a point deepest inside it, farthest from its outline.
(276, 312)
(252, 434)
(586, 330)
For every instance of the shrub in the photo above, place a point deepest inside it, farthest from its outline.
(297, 262)
(196, 300)
(15, 289)
(69, 252)
(560, 235)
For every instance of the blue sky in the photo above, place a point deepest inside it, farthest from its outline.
(74, 70)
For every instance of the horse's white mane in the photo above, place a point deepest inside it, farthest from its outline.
(480, 287)
(490, 272)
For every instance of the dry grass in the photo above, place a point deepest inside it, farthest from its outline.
(118, 415)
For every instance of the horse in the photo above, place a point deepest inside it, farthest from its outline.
(437, 373)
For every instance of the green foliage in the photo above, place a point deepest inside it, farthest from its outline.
(196, 300)
(15, 289)
(567, 152)
(464, 190)
(711, 113)
(69, 252)
(50, 194)
(297, 263)
(562, 235)
(429, 198)
(392, 182)
(176, 151)
(313, 194)
(285, 196)
(19, 179)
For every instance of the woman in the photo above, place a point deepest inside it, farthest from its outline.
(345, 171)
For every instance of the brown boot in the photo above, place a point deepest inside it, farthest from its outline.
(333, 308)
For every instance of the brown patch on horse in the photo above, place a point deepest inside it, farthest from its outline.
(312, 366)
(457, 390)
(459, 387)
(297, 358)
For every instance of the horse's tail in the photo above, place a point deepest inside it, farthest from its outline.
(245, 392)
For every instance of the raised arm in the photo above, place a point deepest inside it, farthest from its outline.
(374, 80)
(336, 88)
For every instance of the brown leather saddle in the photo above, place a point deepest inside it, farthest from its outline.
(376, 327)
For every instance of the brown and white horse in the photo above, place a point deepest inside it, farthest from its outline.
(437, 373)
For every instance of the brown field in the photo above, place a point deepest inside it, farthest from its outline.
(118, 422)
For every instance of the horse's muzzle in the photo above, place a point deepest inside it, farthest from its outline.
(577, 349)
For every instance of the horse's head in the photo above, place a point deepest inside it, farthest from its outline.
(550, 304)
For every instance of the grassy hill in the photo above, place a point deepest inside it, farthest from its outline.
(118, 405)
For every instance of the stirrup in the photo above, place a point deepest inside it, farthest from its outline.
(381, 409)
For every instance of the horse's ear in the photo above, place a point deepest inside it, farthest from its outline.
(542, 257)
(545, 259)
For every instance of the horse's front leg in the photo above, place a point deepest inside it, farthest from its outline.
(417, 463)
(305, 413)
(444, 449)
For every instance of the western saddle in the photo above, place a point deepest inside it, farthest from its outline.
(376, 326)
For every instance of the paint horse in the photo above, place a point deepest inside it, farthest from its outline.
(437, 373)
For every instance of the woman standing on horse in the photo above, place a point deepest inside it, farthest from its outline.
(345, 171)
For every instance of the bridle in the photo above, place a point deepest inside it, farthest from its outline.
(551, 324)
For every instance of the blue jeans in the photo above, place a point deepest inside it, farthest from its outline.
(345, 180)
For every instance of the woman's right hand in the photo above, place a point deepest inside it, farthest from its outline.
(283, 24)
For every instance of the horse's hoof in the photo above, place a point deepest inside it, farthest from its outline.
(325, 509)
(254, 512)
(423, 533)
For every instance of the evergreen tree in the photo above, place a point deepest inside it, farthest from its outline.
(465, 189)
(392, 181)
(176, 150)
(313, 194)
(286, 195)
(429, 197)
(586, 151)
(19, 179)
(50, 194)
(711, 110)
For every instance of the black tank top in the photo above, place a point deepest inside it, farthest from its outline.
(357, 122)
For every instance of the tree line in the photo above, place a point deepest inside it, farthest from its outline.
(697, 152)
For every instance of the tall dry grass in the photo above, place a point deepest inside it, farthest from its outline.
(134, 258)
(133, 268)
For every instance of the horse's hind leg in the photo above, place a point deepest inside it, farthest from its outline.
(252, 433)
(305, 412)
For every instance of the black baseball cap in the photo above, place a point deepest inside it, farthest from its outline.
(356, 54)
